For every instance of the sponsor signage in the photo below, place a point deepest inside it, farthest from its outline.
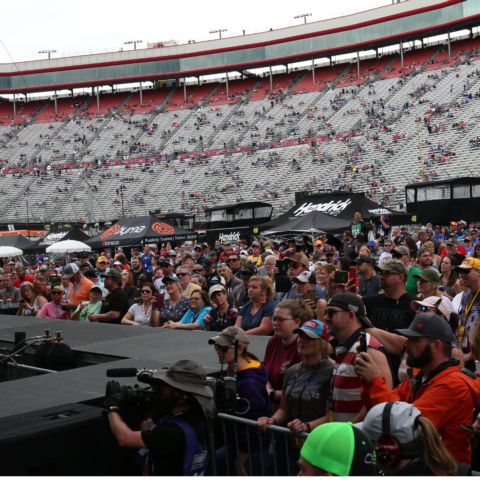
(53, 238)
(330, 208)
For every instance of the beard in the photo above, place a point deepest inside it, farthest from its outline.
(421, 360)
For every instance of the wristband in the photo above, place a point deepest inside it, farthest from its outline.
(309, 428)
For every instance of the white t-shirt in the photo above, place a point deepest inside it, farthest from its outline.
(140, 315)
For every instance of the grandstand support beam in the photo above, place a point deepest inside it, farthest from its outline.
(185, 90)
(313, 71)
(358, 63)
(141, 95)
(14, 107)
(98, 99)
(401, 54)
(55, 101)
(228, 90)
(271, 79)
(449, 46)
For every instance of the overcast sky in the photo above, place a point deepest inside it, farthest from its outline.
(74, 27)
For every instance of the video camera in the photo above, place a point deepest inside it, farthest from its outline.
(224, 392)
(135, 398)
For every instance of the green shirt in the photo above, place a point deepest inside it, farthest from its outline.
(411, 285)
(89, 309)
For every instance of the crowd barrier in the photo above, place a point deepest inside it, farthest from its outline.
(272, 453)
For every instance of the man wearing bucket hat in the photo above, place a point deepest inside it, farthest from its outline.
(347, 321)
(440, 389)
(177, 443)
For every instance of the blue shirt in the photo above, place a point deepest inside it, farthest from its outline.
(147, 262)
(199, 318)
(250, 321)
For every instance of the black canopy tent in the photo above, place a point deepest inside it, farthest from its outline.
(312, 223)
(75, 233)
(341, 205)
(136, 231)
(18, 241)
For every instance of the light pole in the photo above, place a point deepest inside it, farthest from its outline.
(133, 42)
(219, 31)
(48, 52)
(304, 16)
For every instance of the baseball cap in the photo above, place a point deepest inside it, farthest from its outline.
(247, 271)
(351, 303)
(392, 265)
(255, 244)
(96, 287)
(429, 326)
(451, 242)
(164, 262)
(115, 274)
(298, 257)
(217, 280)
(229, 336)
(70, 270)
(400, 251)
(365, 259)
(341, 449)
(216, 288)
(90, 273)
(167, 279)
(172, 253)
(442, 304)
(102, 259)
(429, 275)
(43, 268)
(469, 263)
(402, 425)
(117, 263)
(314, 329)
(57, 288)
(306, 277)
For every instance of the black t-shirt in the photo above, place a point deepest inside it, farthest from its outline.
(166, 444)
(116, 301)
(389, 314)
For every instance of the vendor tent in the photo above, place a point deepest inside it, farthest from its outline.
(18, 241)
(341, 205)
(134, 231)
(313, 223)
(74, 233)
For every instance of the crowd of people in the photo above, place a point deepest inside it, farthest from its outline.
(360, 332)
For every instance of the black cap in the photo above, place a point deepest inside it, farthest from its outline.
(351, 303)
(90, 273)
(247, 271)
(365, 259)
(429, 326)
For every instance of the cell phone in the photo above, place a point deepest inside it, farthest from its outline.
(310, 295)
(282, 266)
(363, 342)
(341, 276)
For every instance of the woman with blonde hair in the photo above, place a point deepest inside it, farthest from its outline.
(255, 317)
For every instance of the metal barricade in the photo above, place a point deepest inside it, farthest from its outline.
(272, 453)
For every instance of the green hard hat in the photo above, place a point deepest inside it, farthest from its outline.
(340, 449)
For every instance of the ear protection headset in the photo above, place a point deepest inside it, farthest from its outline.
(389, 451)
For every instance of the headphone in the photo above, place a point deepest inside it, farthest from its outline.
(389, 451)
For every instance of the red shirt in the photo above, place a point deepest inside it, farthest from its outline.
(26, 278)
(277, 359)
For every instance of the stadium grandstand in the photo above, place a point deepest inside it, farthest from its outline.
(369, 102)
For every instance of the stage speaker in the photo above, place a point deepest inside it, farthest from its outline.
(73, 439)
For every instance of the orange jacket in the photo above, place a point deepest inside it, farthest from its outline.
(448, 400)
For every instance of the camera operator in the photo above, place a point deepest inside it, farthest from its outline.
(251, 387)
(176, 443)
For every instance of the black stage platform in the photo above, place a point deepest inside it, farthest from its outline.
(114, 346)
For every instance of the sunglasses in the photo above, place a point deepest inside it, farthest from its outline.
(195, 298)
(423, 308)
(146, 291)
(198, 270)
(182, 274)
(57, 293)
(233, 259)
(331, 313)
